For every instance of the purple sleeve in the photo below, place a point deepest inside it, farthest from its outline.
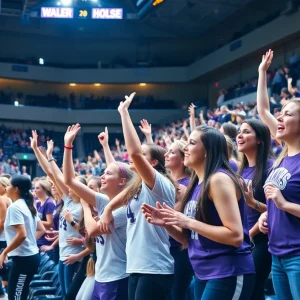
(49, 208)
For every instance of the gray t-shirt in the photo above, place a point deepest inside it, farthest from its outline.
(148, 247)
(18, 213)
(110, 248)
(67, 231)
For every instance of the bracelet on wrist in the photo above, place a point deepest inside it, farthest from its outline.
(51, 159)
(68, 147)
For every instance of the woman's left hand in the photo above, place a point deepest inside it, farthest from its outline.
(273, 193)
(71, 259)
(173, 217)
(3, 258)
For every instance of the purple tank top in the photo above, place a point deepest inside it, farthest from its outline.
(212, 260)
(184, 181)
(233, 165)
(284, 238)
(259, 194)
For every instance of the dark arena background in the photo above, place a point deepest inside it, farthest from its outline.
(230, 66)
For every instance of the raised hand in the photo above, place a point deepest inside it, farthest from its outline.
(103, 137)
(71, 134)
(145, 127)
(266, 61)
(124, 105)
(50, 146)
(33, 140)
(191, 110)
(117, 143)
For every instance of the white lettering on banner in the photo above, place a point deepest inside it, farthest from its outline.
(57, 12)
(107, 13)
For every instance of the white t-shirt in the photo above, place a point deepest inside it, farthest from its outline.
(67, 231)
(110, 248)
(18, 213)
(2, 234)
(148, 247)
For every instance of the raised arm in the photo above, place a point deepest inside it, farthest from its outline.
(69, 178)
(192, 116)
(59, 179)
(103, 139)
(133, 144)
(263, 106)
(147, 131)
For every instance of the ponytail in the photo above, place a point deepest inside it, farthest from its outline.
(28, 197)
(23, 184)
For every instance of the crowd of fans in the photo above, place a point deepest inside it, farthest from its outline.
(81, 101)
(278, 81)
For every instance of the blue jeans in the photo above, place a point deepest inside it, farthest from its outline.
(286, 277)
(183, 273)
(235, 287)
(65, 275)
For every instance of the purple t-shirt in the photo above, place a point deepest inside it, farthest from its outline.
(284, 238)
(56, 214)
(233, 165)
(259, 194)
(47, 208)
(212, 260)
(184, 181)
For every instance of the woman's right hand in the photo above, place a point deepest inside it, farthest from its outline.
(33, 139)
(263, 223)
(50, 146)
(266, 61)
(46, 248)
(71, 134)
(103, 137)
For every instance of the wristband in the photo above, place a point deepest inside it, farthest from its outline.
(51, 159)
(69, 148)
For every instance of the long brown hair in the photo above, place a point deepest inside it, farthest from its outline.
(216, 158)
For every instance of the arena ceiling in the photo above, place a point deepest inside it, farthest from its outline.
(173, 18)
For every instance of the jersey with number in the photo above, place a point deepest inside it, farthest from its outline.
(110, 248)
(148, 246)
(67, 231)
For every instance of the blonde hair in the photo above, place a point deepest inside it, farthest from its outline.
(284, 151)
(180, 144)
(4, 181)
(90, 267)
(46, 186)
(230, 146)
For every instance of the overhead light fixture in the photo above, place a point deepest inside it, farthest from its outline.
(41, 61)
(97, 84)
(58, 3)
(66, 2)
(72, 84)
(143, 84)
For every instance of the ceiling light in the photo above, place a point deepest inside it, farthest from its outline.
(72, 84)
(97, 84)
(143, 84)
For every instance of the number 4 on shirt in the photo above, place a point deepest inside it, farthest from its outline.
(130, 214)
(63, 224)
